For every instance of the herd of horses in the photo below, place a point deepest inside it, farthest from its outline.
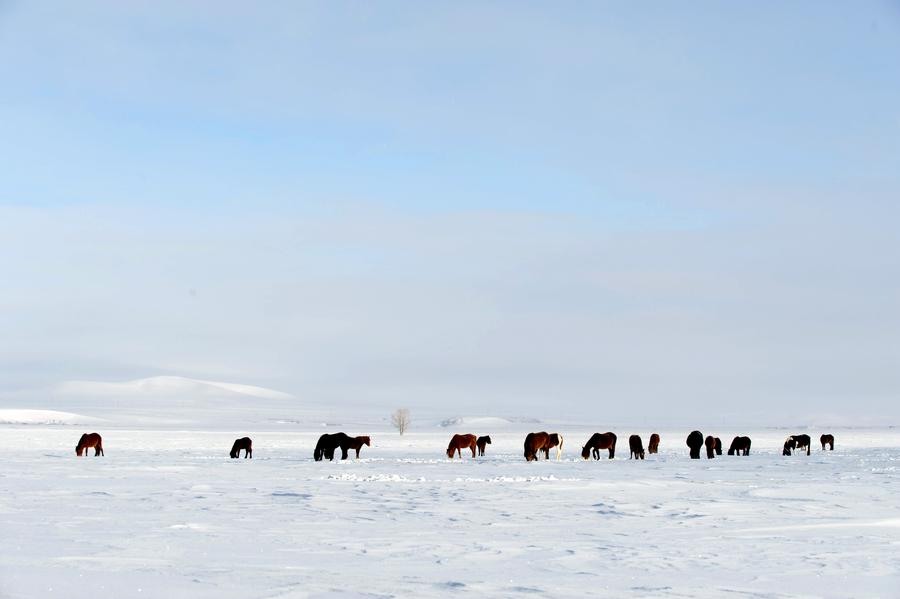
(535, 445)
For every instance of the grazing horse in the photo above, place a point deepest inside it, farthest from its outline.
(827, 440)
(481, 442)
(718, 446)
(711, 447)
(636, 446)
(653, 446)
(328, 443)
(555, 440)
(542, 441)
(695, 442)
(789, 446)
(87, 441)
(459, 442)
(243, 443)
(799, 442)
(356, 443)
(739, 446)
(597, 442)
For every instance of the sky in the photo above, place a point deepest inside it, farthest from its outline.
(601, 210)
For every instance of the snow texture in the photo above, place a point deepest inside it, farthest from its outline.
(168, 514)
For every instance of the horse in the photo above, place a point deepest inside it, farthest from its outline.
(636, 446)
(481, 442)
(797, 442)
(739, 446)
(718, 446)
(87, 441)
(711, 447)
(653, 445)
(695, 442)
(243, 443)
(597, 442)
(827, 440)
(555, 440)
(328, 443)
(356, 443)
(459, 442)
(789, 445)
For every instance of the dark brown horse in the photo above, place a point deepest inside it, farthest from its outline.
(243, 443)
(597, 442)
(87, 441)
(329, 442)
(827, 440)
(636, 446)
(718, 446)
(695, 442)
(798, 442)
(542, 442)
(653, 445)
(739, 446)
(482, 442)
(556, 440)
(460, 442)
(711, 447)
(356, 443)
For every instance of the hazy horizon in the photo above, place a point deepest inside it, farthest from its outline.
(598, 211)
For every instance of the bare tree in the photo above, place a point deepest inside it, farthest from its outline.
(400, 419)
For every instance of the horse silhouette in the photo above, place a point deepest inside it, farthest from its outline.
(695, 442)
(636, 446)
(329, 442)
(739, 446)
(827, 440)
(482, 442)
(243, 443)
(597, 442)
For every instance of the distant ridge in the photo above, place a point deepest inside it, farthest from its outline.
(165, 386)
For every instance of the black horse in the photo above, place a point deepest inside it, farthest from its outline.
(636, 445)
(481, 442)
(243, 443)
(597, 442)
(695, 442)
(827, 440)
(328, 443)
(799, 442)
(740, 446)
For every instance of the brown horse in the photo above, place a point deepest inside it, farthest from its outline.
(653, 445)
(356, 443)
(597, 442)
(827, 440)
(482, 442)
(739, 446)
(695, 442)
(636, 446)
(460, 442)
(243, 443)
(718, 446)
(87, 441)
(711, 447)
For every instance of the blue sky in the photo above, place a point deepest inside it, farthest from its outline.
(492, 204)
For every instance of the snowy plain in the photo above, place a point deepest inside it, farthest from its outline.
(166, 513)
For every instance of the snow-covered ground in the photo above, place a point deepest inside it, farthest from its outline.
(167, 514)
